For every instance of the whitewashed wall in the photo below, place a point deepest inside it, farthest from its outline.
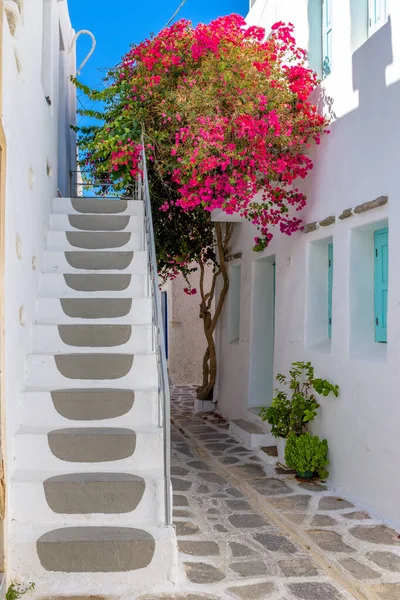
(33, 138)
(187, 342)
(358, 162)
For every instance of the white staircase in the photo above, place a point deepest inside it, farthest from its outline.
(89, 492)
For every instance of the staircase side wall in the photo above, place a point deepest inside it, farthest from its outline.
(31, 127)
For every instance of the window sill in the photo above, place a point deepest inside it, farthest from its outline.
(323, 347)
(370, 352)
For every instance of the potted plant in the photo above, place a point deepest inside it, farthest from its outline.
(292, 409)
(307, 455)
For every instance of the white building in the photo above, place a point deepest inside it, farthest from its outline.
(38, 152)
(350, 330)
(73, 266)
(184, 330)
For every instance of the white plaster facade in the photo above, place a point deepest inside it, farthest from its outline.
(186, 339)
(358, 162)
(40, 152)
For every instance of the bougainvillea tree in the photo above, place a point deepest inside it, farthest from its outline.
(226, 120)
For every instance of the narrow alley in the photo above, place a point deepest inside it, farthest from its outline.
(229, 547)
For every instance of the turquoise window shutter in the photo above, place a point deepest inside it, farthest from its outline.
(377, 14)
(330, 288)
(274, 311)
(381, 280)
(326, 37)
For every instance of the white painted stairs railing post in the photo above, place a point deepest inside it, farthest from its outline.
(88, 509)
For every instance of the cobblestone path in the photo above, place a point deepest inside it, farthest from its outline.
(232, 547)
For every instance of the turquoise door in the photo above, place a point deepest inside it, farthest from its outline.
(330, 288)
(381, 283)
(274, 298)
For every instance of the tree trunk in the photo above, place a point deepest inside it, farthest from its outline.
(210, 321)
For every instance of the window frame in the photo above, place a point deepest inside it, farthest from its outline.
(373, 23)
(326, 37)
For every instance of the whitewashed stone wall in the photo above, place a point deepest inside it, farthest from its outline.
(187, 342)
(34, 67)
(358, 162)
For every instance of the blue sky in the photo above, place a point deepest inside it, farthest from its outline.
(119, 23)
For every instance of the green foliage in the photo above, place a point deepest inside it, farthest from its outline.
(307, 453)
(292, 414)
(16, 591)
(278, 415)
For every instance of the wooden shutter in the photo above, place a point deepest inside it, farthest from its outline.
(381, 279)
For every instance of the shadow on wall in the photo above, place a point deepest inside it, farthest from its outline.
(368, 126)
(342, 174)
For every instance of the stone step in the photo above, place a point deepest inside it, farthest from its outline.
(107, 552)
(70, 311)
(96, 308)
(104, 206)
(95, 549)
(92, 405)
(92, 444)
(250, 434)
(95, 223)
(91, 370)
(56, 285)
(61, 408)
(63, 241)
(95, 262)
(89, 493)
(88, 449)
(61, 339)
(126, 498)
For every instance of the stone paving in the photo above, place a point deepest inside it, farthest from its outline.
(248, 531)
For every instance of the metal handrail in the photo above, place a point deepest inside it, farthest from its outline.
(164, 410)
(77, 187)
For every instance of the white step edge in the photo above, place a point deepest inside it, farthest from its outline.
(49, 310)
(251, 437)
(53, 285)
(42, 369)
(62, 223)
(32, 448)
(47, 340)
(30, 504)
(65, 205)
(56, 262)
(24, 565)
(57, 242)
(38, 410)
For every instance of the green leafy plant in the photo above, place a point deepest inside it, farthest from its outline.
(307, 453)
(292, 414)
(278, 415)
(16, 591)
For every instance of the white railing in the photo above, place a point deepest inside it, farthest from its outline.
(164, 412)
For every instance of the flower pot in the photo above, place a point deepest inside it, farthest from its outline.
(305, 475)
(281, 445)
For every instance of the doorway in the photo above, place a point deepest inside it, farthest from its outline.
(263, 334)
